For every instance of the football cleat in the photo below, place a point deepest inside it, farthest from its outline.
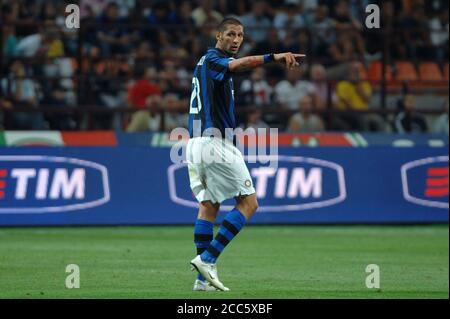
(209, 271)
(201, 285)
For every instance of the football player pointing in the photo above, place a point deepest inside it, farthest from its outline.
(212, 107)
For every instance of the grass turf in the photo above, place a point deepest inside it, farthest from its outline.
(262, 262)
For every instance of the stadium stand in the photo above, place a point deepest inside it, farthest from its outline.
(77, 79)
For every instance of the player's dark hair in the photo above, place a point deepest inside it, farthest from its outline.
(226, 22)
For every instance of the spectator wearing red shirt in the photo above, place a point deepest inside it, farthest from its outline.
(146, 95)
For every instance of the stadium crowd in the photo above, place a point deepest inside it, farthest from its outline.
(140, 54)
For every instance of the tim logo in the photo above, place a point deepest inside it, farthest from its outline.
(425, 182)
(46, 184)
(299, 183)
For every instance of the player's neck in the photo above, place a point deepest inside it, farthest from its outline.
(222, 50)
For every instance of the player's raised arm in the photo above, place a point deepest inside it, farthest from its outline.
(291, 60)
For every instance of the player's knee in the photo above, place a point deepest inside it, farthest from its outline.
(208, 211)
(251, 204)
(254, 205)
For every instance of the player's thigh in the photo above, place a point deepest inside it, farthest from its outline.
(230, 176)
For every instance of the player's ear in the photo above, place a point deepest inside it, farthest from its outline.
(218, 37)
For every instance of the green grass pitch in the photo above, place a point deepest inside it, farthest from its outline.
(262, 262)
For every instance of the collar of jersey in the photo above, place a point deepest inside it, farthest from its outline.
(220, 51)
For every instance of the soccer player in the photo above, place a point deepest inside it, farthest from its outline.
(212, 181)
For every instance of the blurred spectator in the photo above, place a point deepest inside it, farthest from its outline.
(35, 44)
(236, 8)
(205, 12)
(95, 6)
(288, 18)
(175, 115)
(256, 23)
(305, 120)
(409, 120)
(254, 120)
(270, 44)
(55, 96)
(184, 12)
(113, 35)
(143, 56)
(354, 94)
(299, 41)
(289, 92)
(256, 90)
(22, 91)
(321, 88)
(345, 50)
(145, 93)
(174, 78)
(161, 14)
(441, 124)
(9, 41)
(323, 29)
(357, 10)
(55, 47)
(439, 35)
(342, 15)
(415, 35)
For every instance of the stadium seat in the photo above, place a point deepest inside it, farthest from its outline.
(405, 71)
(446, 71)
(375, 71)
(375, 76)
(363, 75)
(431, 77)
(429, 71)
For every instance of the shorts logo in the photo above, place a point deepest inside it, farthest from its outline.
(425, 182)
(248, 183)
(48, 184)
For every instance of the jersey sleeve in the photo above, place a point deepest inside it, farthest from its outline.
(218, 67)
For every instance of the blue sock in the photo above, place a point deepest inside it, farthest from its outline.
(231, 225)
(203, 235)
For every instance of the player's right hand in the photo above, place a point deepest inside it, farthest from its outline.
(290, 59)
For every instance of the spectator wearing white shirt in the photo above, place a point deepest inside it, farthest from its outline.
(439, 34)
(204, 12)
(256, 90)
(289, 92)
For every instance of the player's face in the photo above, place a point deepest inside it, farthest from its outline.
(231, 39)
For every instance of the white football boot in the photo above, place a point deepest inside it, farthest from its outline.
(209, 271)
(200, 285)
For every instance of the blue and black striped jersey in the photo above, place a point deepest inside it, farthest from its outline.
(212, 100)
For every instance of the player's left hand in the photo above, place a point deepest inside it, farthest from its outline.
(291, 60)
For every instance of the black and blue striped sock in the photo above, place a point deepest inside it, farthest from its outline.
(230, 227)
(203, 235)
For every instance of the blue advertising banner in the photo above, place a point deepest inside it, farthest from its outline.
(140, 185)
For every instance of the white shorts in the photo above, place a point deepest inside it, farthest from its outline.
(217, 170)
